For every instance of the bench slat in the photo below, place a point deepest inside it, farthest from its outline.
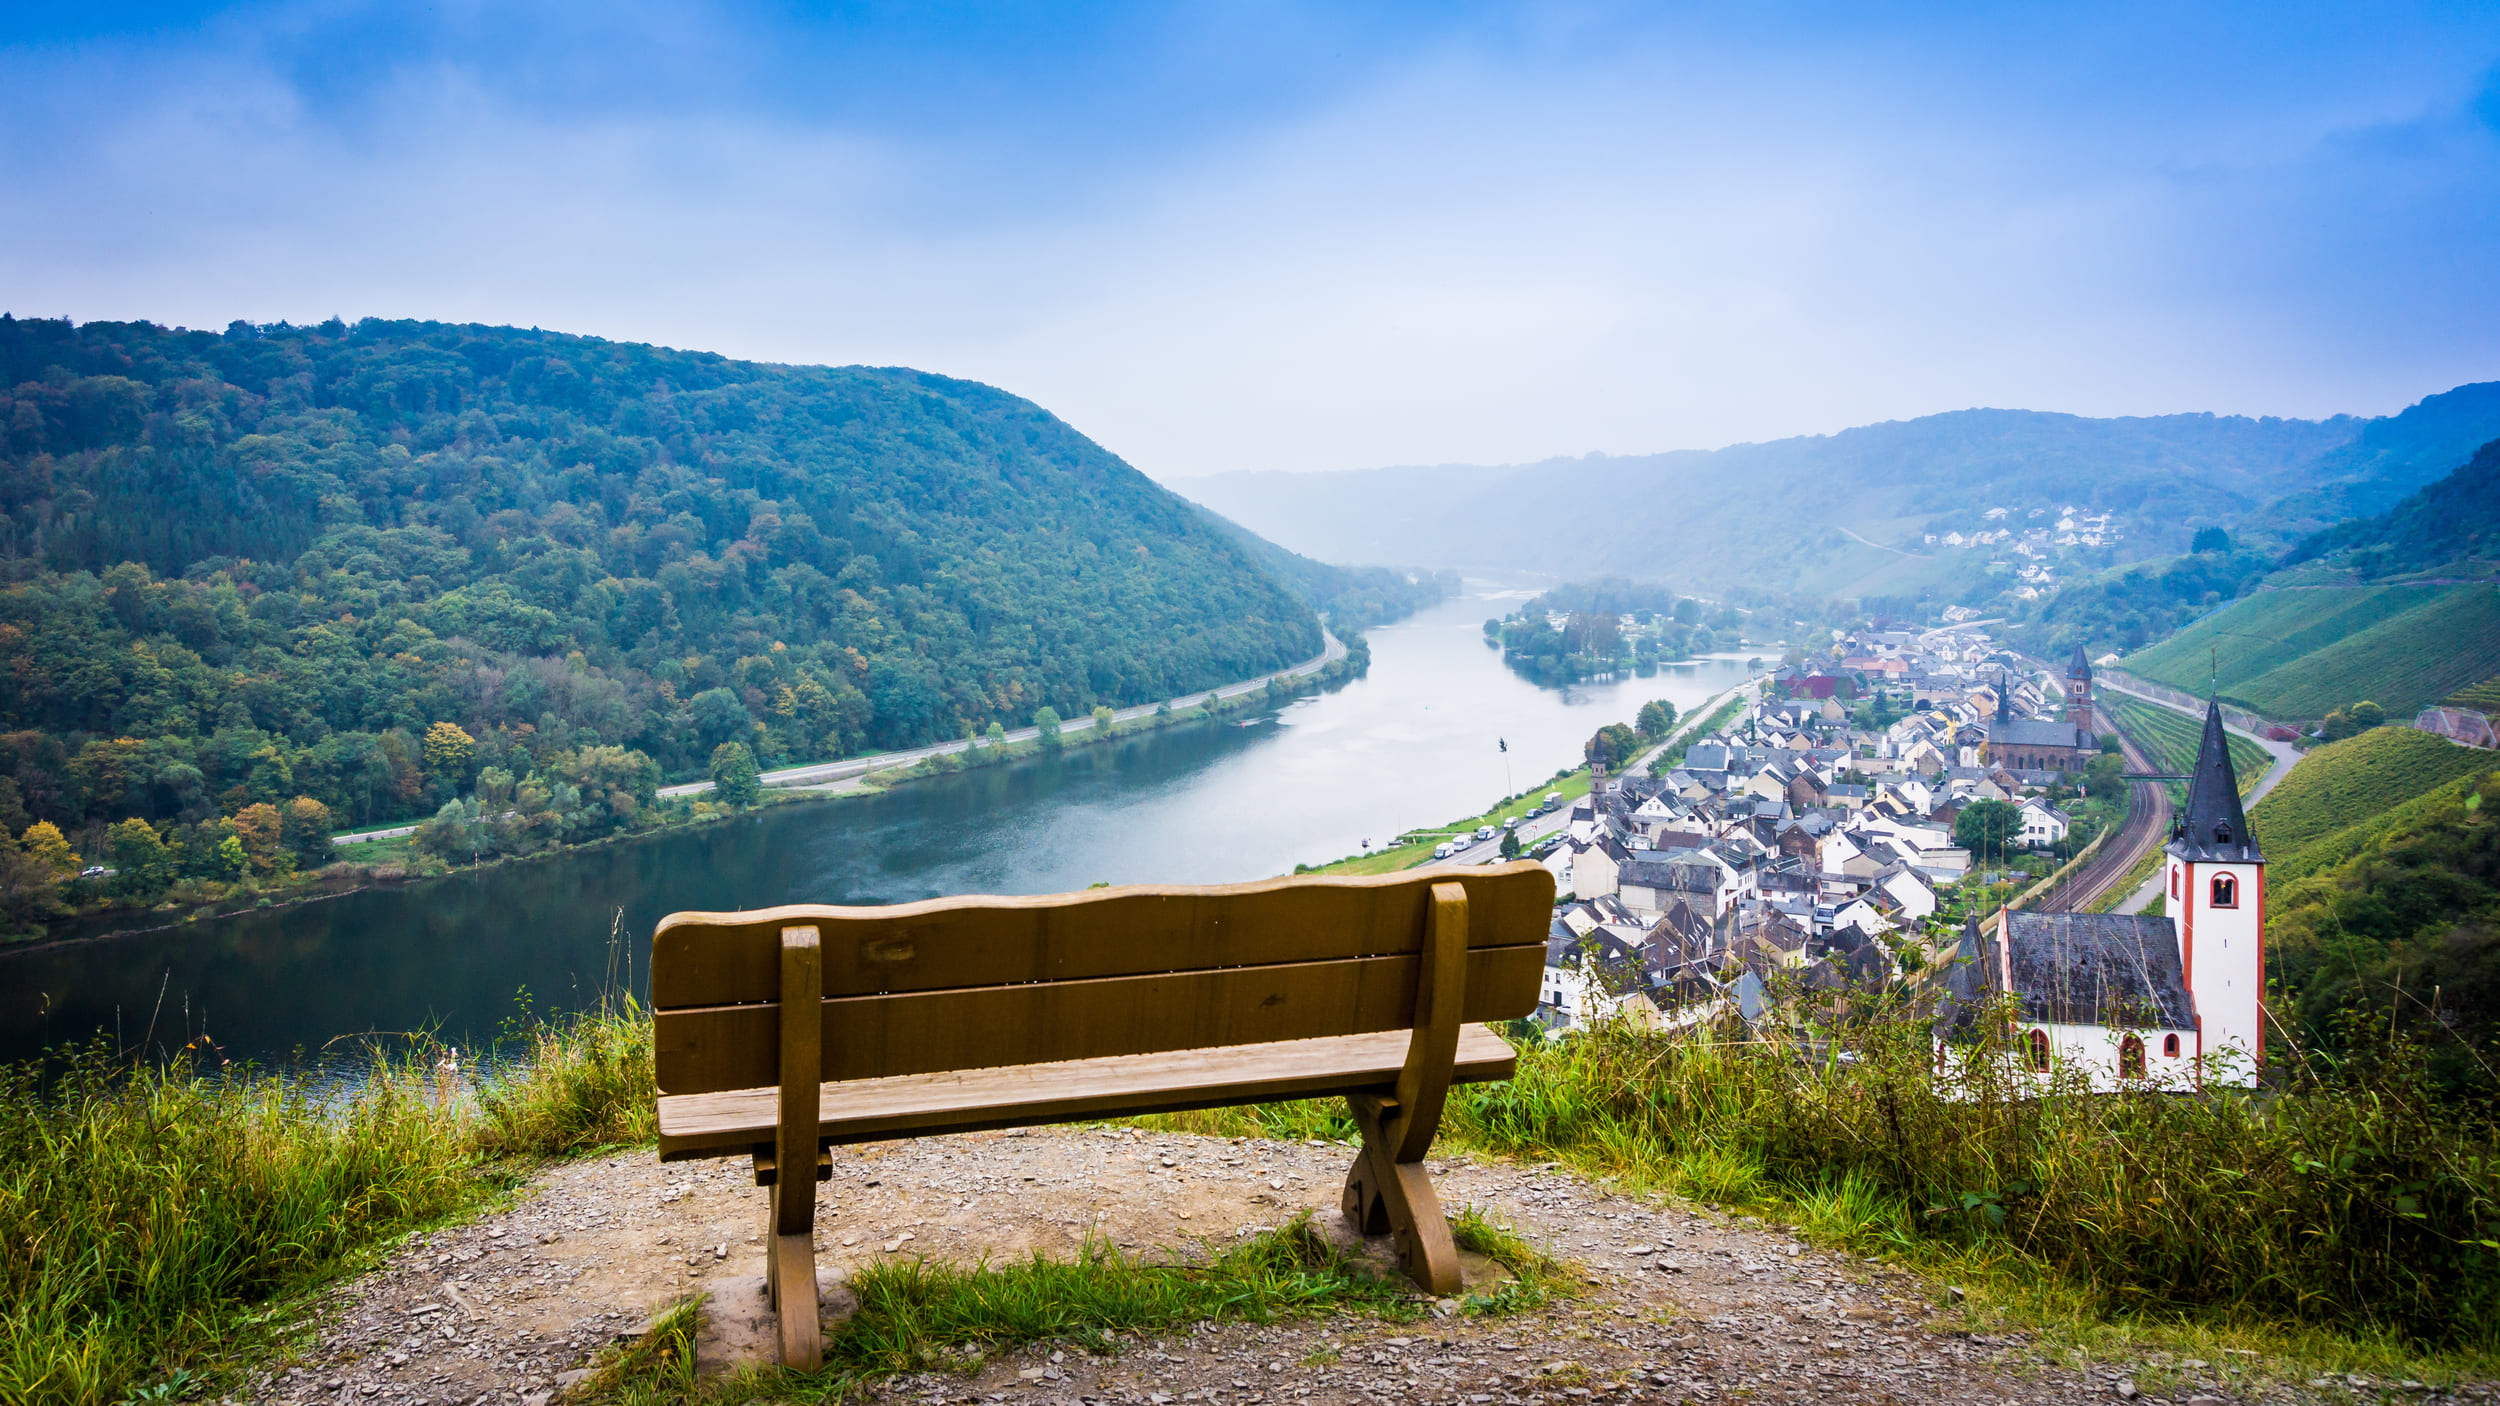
(719, 959)
(869, 1037)
(915, 1105)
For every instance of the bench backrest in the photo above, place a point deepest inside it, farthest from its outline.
(977, 983)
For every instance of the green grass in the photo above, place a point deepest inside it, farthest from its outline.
(2342, 1222)
(155, 1222)
(2359, 779)
(2171, 739)
(2302, 653)
(926, 1315)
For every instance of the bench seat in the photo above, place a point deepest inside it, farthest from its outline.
(971, 1100)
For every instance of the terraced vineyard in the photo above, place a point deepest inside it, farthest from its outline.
(2360, 778)
(2301, 653)
(2483, 697)
(2170, 738)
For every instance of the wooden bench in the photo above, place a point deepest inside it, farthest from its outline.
(961, 1014)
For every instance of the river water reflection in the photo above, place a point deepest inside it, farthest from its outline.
(1414, 743)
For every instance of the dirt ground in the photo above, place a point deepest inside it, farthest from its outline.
(1677, 1304)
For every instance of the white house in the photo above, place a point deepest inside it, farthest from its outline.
(1906, 888)
(2043, 824)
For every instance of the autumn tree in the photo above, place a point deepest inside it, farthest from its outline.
(263, 834)
(305, 828)
(448, 751)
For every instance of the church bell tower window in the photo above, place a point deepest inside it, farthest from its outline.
(2226, 891)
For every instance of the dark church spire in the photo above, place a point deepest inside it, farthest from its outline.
(2005, 699)
(2214, 827)
(2079, 667)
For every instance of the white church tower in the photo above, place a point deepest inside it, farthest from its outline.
(2216, 895)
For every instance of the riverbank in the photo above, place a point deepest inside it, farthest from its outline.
(397, 857)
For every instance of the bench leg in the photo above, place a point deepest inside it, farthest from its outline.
(790, 1277)
(790, 1241)
(1386, 1196)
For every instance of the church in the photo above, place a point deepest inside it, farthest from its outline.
(2065, 744)
(2128, 1001)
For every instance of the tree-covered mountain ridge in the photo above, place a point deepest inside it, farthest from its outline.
(263, 563)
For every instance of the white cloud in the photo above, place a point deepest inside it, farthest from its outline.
(1462, 258)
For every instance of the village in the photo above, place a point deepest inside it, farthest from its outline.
(1802, 852)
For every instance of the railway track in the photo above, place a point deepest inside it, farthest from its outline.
(2148, 821)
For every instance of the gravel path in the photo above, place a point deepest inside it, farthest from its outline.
(1677, 1305)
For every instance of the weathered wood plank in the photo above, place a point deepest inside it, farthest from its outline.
(865, 1037)
(802, 1054)
(915, 1105)
(1440, 993)
(715, 959)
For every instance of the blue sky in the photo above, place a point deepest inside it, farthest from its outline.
(1230, 236)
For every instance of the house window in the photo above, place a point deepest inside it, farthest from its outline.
(2131, 1058)
(2169, 1047)
(2040, 1051)
(2226, 891)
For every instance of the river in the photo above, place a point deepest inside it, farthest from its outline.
(1416, 742)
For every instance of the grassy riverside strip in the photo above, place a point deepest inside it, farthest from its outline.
(164, 1222)
(1415, 846)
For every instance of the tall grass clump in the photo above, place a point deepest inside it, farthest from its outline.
(571, 1085)
(151, 1216)
(2353, 1197)
(143, 1211)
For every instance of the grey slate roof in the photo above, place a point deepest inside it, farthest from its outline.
(2214, 827)
(2098, 969)
(2034, 732)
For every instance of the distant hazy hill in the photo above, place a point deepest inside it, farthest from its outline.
(1847, 513)
(1352, 597)
(266, 558)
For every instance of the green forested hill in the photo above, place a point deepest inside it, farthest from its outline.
(251, 565)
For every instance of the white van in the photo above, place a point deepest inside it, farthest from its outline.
(1441, 850)
(1484, 832)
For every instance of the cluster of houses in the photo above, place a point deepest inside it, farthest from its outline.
(1797, 853)
(2027, 545)
(1797, 840)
